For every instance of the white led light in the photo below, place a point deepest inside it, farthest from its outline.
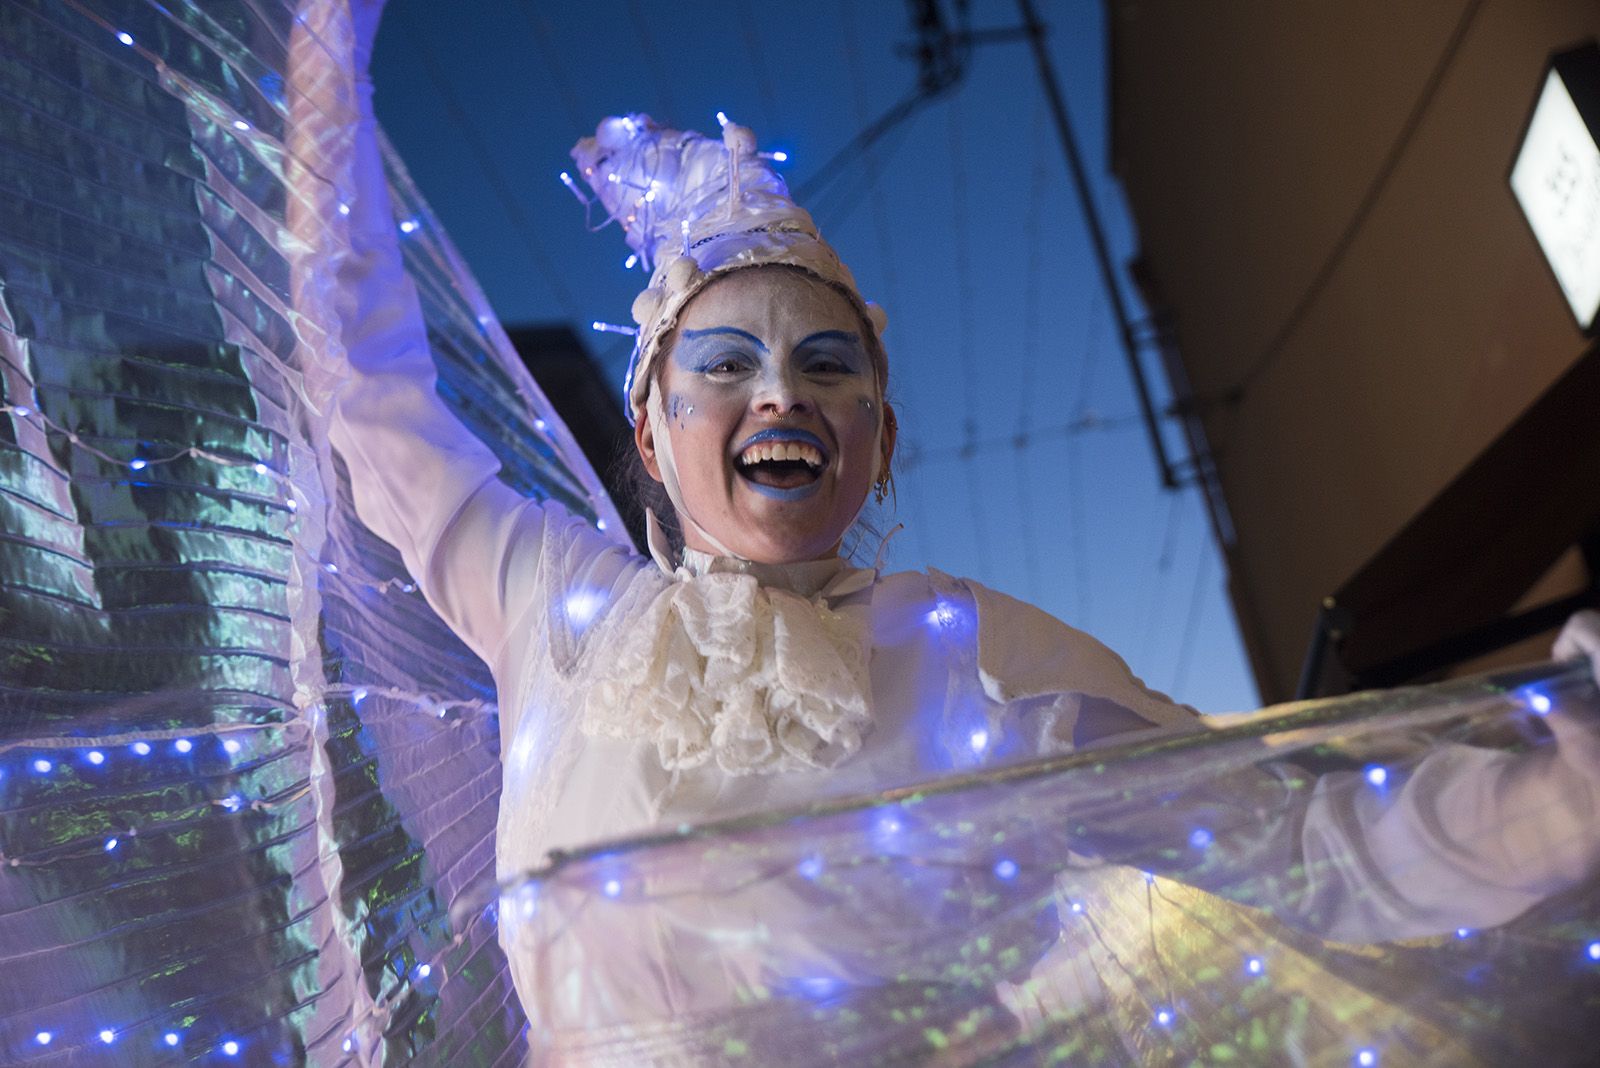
(240, 124)
(233, 802)
(141, 748)
(599, 524)
(183, 745)
(424, 970)
(781, 157)
(612, 888)
(409, 226)
(294, 505)
(331, 568)
(540, 424)
(125, 37)
(1594, 950)
(96, 757)
(170, 1038)
(1367, 1058)
(1255, 965)
(344, 209)
(348, 1045)
(138, 465)
(979, 740)
(810, 868)
(231, 1048)
(22, 412)
(1377, 775)
(41, 765)
(1539, 703)
(1164, 1017)
(1077, 906)
(108, 1036)
(111, 843)
(43, 1038)
(1463, 932)
(231, 745)
(1006, 870)
(722, 118)
(261, 468)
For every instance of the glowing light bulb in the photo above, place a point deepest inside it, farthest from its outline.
(613, 328)
(1377, 775)
(359, 696)
(43, 1038)
(141, 748)
(631, 262)
(1367, 1058)
(1006, 870)
(612, 888)
(1255, 965)
(42, 766)
(230, 745)
(240, 124)
(650, 196)
(810, 868)
(1540, 704)
(540, 424)
(1077, 907)
(111, 843)
(599, 524)
(424, 970)
(183, 745)
(331, 568)
(231, 1048)
(722, 118)
(22, 412)
(125, 37)
(170, 1038)
(979, 740)
(348, 1045)
(1164, 1017)
(1149, 878)
(1594, 950)
(1463, 932)
(408, 226)
(233, 802)
(344, 209)
(96, 757)
(138, 464)
(108, 1036)
(261, 468)
(1199, 838)
(294, 505)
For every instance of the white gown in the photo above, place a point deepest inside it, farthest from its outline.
(632, 699)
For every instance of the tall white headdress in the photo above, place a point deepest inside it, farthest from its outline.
(693, 208)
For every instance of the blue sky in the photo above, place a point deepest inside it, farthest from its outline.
(970, 236)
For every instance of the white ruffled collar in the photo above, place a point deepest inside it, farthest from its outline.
(825, 580)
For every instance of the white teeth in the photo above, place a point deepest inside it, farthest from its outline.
(781, 450)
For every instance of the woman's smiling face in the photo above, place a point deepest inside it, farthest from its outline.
(772, 403)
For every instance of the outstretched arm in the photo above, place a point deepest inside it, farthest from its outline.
(420, 479)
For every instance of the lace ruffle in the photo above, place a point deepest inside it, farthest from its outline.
(720, 667)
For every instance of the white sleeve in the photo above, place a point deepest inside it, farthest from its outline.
(421, 480)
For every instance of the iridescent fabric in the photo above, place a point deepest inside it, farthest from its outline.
(1107, 907)
(248, 781)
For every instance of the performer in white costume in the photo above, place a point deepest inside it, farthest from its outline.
(757, 668)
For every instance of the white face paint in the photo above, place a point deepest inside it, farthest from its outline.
(770, 403)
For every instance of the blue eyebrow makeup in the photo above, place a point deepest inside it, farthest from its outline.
(693, 335)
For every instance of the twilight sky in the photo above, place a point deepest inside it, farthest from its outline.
(1022, 464)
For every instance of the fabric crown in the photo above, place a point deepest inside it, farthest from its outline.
(693, 208)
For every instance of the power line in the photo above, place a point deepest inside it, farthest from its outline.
(1191, 629)
(497, 182)
(1088, 423)
(1030, 336)
(1369, 200)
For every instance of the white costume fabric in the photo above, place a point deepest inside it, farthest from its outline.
(631, 698)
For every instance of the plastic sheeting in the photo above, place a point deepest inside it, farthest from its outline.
(248, 781)
(1053, 912)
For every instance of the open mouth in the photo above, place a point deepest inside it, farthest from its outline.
(782, 464)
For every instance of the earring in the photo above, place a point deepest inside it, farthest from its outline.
(883, 487)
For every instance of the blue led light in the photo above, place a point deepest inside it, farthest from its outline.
(359, 696)
(138, 464)
(612, 888)
(408, 226)
(781, 156)
(95, 757)
(1006, 870)
(108, 1036)
(183, 745)
(424, 970)
(1255, 965)
(170, 1038)
(141, 748)
(42, 766)
(344, 209)
(1463, 932)
(943, 614)
(22, 412)
(261, 468)
(722, 118)
(233, 802)
(1593, 951)
(240, 124)
(43, 1038)
(1199, 837)
(1077, 907)
(331, 568)
(979, 740)
(111, 843)
(1540, 703)
(1164, 1017)
(348, 1044)
(125, 37)
(1366, 1058)
(599, 524)
(231, 1048)
(231, 745)
(631, 262)
(583, 605)
(810, 868)
(1377, 775)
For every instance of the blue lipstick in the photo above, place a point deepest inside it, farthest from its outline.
(794, 493)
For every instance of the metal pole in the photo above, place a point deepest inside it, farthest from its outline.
(1080, 180)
